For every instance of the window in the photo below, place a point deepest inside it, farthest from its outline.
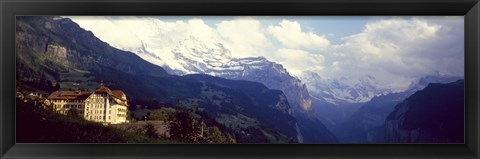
(109, 111)
(108, 117)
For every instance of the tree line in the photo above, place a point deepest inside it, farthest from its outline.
(185, 123)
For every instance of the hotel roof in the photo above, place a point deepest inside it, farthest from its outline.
(72, 95)
(82, 95)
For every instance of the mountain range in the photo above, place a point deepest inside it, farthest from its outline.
(193, 56)
(57, 49)
(254, 97)
(340, 90)
(327, 102)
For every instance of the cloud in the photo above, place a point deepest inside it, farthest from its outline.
(197, 28)
(154, 35)
(297, 61)
(108, 31)
(290, 34)
(243, 36)
(398, 50)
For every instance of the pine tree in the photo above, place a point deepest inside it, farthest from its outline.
(183, 127)
(150, 130)
(57, 87)
(231, 139)
(215, 135)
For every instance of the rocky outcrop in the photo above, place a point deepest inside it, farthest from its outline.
(274, 76)
(58, 54)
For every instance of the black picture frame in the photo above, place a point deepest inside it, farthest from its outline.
(468, 8)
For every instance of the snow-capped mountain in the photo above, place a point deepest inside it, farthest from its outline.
(194, 56)
(342, 90)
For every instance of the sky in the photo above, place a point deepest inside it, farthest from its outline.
(393, 49)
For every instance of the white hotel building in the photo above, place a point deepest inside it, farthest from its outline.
(102, 105)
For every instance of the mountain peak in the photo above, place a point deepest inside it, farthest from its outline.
(194, 46)
(423, 82)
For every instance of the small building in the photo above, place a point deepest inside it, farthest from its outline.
(102, 105)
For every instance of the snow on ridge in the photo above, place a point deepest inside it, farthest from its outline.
(340, 90)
